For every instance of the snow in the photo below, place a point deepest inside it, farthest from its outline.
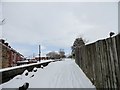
(10, 68)
(60, 74)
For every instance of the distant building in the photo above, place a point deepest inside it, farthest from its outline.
(8, 56)
(42, 58)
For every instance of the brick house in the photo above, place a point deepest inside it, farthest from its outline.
(8, 56)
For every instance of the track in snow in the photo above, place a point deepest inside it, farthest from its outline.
(60, 74)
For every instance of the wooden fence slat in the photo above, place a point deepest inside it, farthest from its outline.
(100, 61)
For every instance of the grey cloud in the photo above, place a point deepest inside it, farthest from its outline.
(58, 24)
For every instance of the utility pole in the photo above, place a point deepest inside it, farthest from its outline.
(33, 55)
(39, 52)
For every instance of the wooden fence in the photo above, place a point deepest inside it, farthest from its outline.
(100, 61)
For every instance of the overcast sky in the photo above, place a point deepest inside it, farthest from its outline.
(56, 25)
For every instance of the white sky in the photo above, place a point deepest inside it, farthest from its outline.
(55, 25)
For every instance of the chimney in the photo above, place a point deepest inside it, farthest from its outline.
(6, 44)
(2, 41)
(9, 46)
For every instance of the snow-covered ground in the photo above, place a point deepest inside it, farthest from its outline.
(60, 74)
(15, 67)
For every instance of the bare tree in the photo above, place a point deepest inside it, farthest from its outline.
(62, 53)
(77, 43)
(83, 38)
(53, 55)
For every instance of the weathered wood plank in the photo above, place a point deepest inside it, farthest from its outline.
(100, 61)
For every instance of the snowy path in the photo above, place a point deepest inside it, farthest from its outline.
(60, 74)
